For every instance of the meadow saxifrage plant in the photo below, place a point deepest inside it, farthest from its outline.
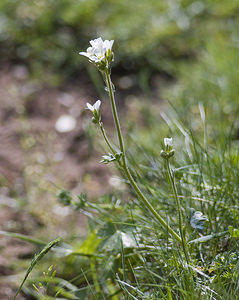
(101, 55)
(167, 154)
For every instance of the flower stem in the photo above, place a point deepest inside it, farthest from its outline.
(125, 166)
(149, 206)
(115, 114)
(105, 137)
(180, 219)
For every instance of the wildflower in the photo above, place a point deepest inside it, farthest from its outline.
(95, 109)
(100, 53)
(169, 151)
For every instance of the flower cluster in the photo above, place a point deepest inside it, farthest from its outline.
(100, 53)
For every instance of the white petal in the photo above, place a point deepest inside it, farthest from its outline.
(90, 50)
(108, 44)
(97, 51)
(97, 104)
(90, 107)
(96, 42)
(84, 53)
(168, 142)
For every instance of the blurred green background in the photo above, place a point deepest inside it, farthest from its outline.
(150, 36)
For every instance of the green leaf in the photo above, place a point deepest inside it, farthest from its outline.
(233, 232)
(108, 158)
(107, 230)
(90, 245)
(113, 237)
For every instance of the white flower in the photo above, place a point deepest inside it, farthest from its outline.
(99, 50)
(168, 142)
(95, 107)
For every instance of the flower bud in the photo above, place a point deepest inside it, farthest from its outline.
(169, 151)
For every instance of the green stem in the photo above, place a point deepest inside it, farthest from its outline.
(180, 219)
(149, 206)
(124, 163)
(94, 275)
(105, 138)
(115, 114)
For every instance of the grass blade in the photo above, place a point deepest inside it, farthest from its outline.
(35, 260)
(23, 237)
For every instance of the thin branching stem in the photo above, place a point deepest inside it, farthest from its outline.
(125, 166)
(106, 138)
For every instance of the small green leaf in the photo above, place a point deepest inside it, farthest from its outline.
(108, 158)
(90, 245)
(64, 197)
(233, 232)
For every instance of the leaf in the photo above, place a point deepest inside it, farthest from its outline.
(90, 245)
(128, 240)
(108, 158)
(107, 230)
(197, 220)
(35, 260)
(64, 197)
(233, 232)
(113, 236)
(111, 157)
